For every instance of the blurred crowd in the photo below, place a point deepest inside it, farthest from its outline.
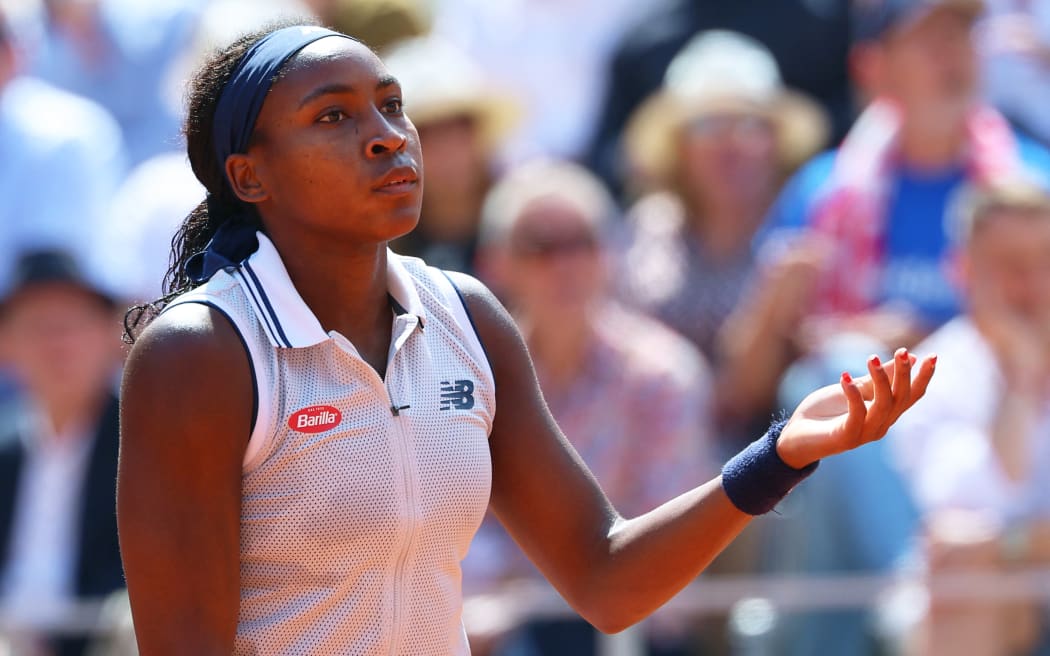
(696, 210)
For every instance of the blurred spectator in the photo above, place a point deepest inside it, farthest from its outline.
(552, 54)
(719, 139)
(867, 224)
(975, 451)
(878, 203)
(1015, 49)
(461, 118)
(121, 54)
(58, 449)
(62, 159)
(630, 395)
(808, 38)
(378, 23)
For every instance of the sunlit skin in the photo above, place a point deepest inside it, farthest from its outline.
(331, 138)
(316, 173)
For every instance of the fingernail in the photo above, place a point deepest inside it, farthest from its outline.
(902, 354)
(876, 361)
(933, 358)
(846, 378)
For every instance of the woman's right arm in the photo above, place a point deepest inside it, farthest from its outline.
(186, 412)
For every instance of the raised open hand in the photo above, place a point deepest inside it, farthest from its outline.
(841, 417)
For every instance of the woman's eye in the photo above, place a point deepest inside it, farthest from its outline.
(333, 116)
(394, 106)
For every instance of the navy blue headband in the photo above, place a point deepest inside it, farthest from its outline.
(242, 98)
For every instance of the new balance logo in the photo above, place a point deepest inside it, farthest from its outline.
(458, 395)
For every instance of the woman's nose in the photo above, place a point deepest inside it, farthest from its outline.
(389, 139)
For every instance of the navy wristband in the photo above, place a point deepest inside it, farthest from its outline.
(756, 479)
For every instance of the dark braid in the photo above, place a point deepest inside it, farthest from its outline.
(222, 205)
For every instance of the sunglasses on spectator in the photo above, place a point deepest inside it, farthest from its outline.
(546, 246)
(737, 125)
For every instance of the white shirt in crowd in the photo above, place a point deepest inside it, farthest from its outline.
(38, 579)
(943, 445)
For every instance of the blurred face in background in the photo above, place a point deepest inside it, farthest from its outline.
(7, 52)
(1009, 256)
(728, 162)
(72, 15)
(62, 342)
(456, 168)
(554, 261)
(929, 67)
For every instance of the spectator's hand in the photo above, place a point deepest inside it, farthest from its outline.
(841, 417)
(789, 284)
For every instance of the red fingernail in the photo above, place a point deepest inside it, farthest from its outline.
(846, 378)
(902, 354)
(876, 361)
(933, 358)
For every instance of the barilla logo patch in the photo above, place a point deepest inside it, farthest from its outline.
(315, 419)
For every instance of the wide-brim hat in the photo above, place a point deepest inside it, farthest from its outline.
(441, 82)
(381, 23)
(716, 73)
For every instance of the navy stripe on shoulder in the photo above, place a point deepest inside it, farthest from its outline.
(251, 363)
(466, 308)
(261, 310)
(269, 308)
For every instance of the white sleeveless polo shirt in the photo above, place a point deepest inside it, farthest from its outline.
(359, 495)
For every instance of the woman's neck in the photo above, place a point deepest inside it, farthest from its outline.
(933, 148)
(344, 286)
(724, 230)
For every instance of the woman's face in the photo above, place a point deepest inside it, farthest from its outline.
(555, 260)
(728, 159)
(333, 150)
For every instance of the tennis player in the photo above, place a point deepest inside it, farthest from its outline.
(313, 426)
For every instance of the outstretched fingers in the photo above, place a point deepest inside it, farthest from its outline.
(857, 409)
(890, 390)
(881, 409)
(902, 362)
(922, 379)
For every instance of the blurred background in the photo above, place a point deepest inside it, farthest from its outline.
(697, 211)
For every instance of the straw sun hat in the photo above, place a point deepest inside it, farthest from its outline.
(719, 73)
(441, 82)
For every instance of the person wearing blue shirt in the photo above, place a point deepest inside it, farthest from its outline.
(857, 254)
(916, 244)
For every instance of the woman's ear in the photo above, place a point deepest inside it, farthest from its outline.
(240, 171)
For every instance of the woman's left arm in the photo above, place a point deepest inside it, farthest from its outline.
(616, 571)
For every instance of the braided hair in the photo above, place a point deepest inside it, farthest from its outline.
(221, 205)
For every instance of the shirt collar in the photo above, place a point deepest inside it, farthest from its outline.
(289, 322)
